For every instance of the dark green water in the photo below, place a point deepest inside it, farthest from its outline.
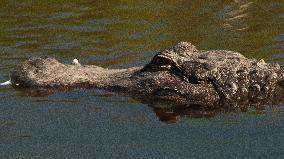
(84, 124)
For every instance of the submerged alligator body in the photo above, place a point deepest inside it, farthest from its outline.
(179, 74)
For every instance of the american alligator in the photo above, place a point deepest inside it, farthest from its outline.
(180, 74)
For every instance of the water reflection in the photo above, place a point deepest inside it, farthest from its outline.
(169, 111)
(172, 112)
(176, 113)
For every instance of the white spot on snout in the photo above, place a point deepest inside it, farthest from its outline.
(76, 62)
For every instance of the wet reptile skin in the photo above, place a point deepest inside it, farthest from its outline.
(179, 74)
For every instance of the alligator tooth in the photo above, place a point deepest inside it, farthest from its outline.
(6, 83)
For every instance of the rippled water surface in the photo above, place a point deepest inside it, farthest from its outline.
(120, 34)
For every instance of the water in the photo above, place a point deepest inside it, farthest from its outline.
(99, 124)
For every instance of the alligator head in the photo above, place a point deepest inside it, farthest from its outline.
(209, 77)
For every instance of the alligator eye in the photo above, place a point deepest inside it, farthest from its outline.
(161, 61)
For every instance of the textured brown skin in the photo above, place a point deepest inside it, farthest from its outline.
(180, 74)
